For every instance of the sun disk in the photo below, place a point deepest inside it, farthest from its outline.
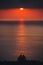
(21, 9)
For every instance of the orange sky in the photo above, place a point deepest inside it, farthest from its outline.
(17, 14)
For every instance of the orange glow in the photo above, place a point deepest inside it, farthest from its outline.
(21, 14)
(21, 8)
(21, 21)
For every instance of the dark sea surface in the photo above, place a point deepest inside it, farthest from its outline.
(21, 39)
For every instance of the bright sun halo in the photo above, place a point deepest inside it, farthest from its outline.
(21, 9)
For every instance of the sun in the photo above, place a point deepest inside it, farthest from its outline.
(21, 9)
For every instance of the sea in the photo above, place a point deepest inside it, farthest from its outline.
(21, 39)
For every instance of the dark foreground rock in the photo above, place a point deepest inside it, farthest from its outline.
(21, 63)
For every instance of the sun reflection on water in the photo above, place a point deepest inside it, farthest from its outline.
(21, 41)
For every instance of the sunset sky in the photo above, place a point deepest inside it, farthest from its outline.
(25, 14)
(10, 10)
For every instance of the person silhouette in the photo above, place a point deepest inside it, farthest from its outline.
(21, 58)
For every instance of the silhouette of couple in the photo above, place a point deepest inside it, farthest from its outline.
(21, 58)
